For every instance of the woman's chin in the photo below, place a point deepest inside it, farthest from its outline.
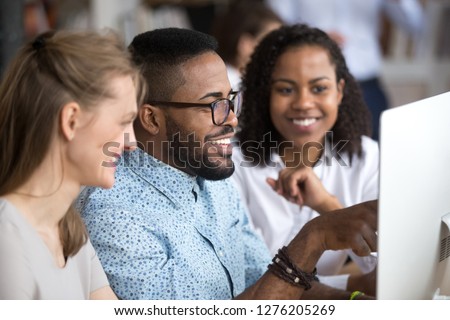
(105, 182)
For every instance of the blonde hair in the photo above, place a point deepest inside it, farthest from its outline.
(46, 74)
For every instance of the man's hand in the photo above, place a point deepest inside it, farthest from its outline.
(349, 228)
(352, 227)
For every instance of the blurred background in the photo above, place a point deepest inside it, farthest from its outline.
(413, 68)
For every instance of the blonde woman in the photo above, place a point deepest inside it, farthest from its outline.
(67, 101)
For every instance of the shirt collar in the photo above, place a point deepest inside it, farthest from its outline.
(167, 179)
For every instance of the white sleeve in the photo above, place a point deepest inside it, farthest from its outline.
(337, 281)
(366, 264)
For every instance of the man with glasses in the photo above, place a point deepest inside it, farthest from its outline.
(173, 226)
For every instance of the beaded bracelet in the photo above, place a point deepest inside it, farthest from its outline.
(284, 268)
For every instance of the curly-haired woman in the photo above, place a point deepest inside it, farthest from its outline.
(305, 135)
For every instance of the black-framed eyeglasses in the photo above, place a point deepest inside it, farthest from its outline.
(220, 108)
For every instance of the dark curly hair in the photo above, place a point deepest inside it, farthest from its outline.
(353, 115)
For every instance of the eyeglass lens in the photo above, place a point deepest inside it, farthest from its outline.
(222, 108)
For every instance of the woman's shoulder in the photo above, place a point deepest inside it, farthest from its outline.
(13, 232)
(369, 146)
(369, 156)
(369, 143)
(8, 215)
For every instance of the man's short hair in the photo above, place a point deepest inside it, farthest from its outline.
(159, 54)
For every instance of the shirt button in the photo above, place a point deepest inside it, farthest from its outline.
(220, 252)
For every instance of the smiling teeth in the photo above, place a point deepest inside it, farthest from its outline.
(221, 141)
(305, 122)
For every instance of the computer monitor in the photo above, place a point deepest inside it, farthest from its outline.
(414, 200)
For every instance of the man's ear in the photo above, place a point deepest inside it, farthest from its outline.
(69, 120)
(151, 118)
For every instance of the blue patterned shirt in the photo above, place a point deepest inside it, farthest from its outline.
(163, 234)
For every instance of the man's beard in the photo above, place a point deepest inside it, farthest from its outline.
(191, 156)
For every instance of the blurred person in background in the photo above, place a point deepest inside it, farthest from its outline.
(238, 30)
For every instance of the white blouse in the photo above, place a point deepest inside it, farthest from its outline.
(278, 220)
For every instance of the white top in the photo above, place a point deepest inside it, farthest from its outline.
(28, 270)
(279, 220)
(358, 21)
(234, 76)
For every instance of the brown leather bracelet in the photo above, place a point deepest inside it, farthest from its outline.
(283, 267)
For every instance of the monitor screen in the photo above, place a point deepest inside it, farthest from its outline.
(414, 201)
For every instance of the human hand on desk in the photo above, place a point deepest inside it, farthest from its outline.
(303, 187)
(349, 228)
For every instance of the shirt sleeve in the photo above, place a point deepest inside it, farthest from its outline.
(133, 256)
